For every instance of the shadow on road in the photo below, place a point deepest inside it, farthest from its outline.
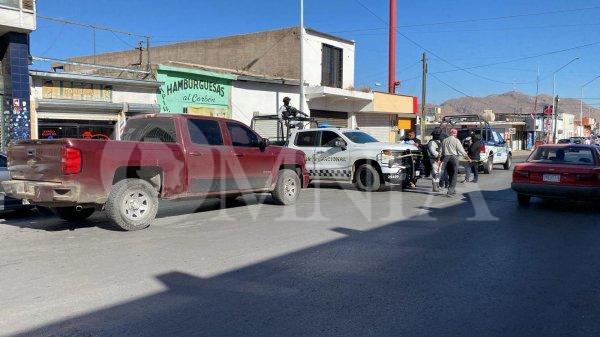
(532, 273)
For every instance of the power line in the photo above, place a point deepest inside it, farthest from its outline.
(450, 86)
(505, 17)
(70, 22)
(438, 56)
(523, 58)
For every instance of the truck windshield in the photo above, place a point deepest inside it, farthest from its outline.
(360, 137)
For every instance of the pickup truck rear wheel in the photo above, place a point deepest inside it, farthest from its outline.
(71, 213)
(367, 178)
(287, 188)
(132, 204)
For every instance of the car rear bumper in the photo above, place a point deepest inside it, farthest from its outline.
(555, 191)
(42, 192)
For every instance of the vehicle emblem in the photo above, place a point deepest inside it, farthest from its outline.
(31, 162)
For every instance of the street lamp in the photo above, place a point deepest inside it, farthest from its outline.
(581, 105)
(554, 98)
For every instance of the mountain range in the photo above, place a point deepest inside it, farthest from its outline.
(514, 101)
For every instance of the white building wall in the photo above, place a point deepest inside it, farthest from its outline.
(120, 93)
(312, 59)
(262, 98)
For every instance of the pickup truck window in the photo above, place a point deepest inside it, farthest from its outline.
(307, 139)
(155, 130)
(205, 132)
(328, 138)
(359, 137)
(242, 135)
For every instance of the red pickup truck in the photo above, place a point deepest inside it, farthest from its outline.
(159, 156)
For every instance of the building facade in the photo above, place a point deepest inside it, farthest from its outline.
(17, 20)
(65, 105)
(245, 75)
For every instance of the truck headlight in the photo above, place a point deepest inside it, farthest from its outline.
(388, 158)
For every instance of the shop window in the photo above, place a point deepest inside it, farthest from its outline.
(242, 136)
(155, 130)
(332, 66)
(205, 132)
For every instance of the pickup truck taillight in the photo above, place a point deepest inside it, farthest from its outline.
(483, 149)
(71, 160)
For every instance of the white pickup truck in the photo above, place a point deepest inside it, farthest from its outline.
(348, 155)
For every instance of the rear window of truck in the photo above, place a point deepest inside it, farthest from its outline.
(153, 130)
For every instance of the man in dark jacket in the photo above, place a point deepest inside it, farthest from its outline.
(474, 152)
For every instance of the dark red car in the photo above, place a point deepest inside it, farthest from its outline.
(159, 157)
(569, 171)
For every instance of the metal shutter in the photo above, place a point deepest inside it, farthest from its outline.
(377, 125)
(333, 118)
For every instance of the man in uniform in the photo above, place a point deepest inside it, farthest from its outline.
(288, 113)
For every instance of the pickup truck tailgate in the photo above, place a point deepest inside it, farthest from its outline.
(36, 160)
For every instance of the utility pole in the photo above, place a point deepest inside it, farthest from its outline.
(555, 112)
(423, 95)
(148, 64)
(302, 55)
(392, 49)
(94, 43)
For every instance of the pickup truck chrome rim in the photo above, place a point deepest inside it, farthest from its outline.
(135, 205)
(290, 187)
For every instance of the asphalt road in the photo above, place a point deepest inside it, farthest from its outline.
(340, 263)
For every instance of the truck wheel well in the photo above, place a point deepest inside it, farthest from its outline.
(295, 168)
(151, 174)
(366, 161)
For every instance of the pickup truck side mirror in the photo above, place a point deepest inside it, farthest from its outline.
(264, 143)
(341, 144)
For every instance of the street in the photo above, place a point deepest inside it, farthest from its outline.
(340, 262)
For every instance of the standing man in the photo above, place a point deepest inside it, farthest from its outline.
(434, 151)
(474, 153)
(452, 150)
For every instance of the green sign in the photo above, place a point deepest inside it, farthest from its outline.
(194, 91)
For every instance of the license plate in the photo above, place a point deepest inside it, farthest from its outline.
(552, 178)
(394, 176)
(417, 173)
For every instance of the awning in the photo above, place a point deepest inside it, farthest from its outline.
(337, 99)
(92, 107)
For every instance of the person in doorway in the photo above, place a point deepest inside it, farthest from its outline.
(434, 151)
(452, 150)
(474, 153)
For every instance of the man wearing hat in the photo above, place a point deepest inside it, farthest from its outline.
(452, 150)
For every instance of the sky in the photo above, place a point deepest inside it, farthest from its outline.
(503, 40)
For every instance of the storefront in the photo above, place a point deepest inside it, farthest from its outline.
(388, 117)
(194, 91)
(82, 106)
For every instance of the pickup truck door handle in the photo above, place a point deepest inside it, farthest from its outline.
(320, 152)
(194, 153)
(239, 155)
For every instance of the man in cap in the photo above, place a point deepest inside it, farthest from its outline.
(288, 112)
(434, 151)
(452, 150)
